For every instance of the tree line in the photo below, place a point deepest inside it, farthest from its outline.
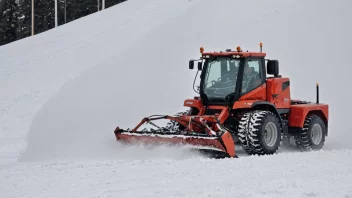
(16, 15)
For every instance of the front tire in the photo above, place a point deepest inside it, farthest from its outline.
(260, 132)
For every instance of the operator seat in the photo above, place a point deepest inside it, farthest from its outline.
(252, 82)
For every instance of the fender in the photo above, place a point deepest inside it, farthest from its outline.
(195, 103)
(299, 113)
(269, 106)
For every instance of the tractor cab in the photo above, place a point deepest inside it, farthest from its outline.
(226, 76)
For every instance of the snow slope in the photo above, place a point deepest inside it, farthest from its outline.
(34, 69)
(62, 99)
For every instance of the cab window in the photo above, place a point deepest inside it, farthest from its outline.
(252, 75)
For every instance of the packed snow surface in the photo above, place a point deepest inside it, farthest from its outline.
(64, 91)
(316, 174)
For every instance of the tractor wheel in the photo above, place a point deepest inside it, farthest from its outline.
(312, 135)
(242, 132)
(260, 132)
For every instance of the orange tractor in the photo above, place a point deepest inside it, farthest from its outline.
(238, 103)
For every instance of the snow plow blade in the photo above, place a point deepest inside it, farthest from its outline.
(207, 141)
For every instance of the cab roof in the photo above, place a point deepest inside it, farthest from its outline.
(235, 53)
(238, 53)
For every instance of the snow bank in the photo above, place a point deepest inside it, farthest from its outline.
(34, 69)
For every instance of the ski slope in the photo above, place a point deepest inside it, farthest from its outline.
(64, 92)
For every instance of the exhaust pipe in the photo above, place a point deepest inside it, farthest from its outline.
(317, 93)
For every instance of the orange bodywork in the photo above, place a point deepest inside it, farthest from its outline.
(298, 113)
(193, 103)
(275, 91)
(196, 103)
(222, 116)
(272, 92)
(278, 93)
(243, 104)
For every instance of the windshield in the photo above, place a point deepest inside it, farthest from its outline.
(220, 78)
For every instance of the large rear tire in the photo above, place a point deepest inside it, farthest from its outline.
(312, 135)
(260, 132)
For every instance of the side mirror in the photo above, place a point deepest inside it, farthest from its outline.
(191, 64)
(200, 65)
(273, 67)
